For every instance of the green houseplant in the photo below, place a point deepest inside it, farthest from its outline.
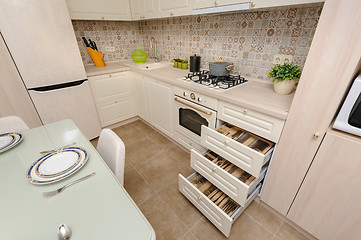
(185, 64)
(284, 77)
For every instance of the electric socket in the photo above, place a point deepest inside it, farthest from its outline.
(281, 59)
(110, 48)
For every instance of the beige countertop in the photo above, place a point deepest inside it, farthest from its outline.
(255, 94)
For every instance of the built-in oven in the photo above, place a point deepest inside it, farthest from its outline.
(191, 111)
(349, 117)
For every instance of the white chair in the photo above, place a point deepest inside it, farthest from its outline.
(112, 149)
(12, 124)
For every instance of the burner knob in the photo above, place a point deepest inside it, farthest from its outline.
(199, 99)
(193, 96)
(184, 94)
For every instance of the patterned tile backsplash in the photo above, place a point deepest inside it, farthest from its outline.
(249, 39)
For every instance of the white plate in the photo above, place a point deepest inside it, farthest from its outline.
(9, 140)
(69, 165)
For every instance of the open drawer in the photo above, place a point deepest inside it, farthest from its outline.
(232, 180)
(220, 209)
(244, 149)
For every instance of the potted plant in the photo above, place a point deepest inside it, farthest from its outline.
(284, 77)
(185, 64)
(176, 60)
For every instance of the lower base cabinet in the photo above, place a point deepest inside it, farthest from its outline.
(328, 203)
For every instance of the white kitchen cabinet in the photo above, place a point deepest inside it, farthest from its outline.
(113, 97)
(172, 8)
(99, 9)
(144, 9)
(328, 203)
(215, 3)
(140, 86)
(160, 103)
(278, 3)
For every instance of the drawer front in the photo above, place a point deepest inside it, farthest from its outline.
(187, 143)
(240, 155)
(230, 185)
(261, 124)
(220, 219)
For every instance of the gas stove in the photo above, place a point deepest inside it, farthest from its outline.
(205, 78)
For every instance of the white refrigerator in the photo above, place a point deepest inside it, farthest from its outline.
(41, 40)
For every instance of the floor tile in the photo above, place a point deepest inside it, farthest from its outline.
(137, 187)
(180, 205)
(270, 221)
(244, 228)
(189, 236)
(94, 142)
(162, 141)
(165, 222)
(161, 169)
(145, 129)
(287, 232)
(180, 154)
(128, 166)
(128, 134)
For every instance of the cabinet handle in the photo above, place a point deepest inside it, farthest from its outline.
(110, 75)
(171, 14)
(226, 142)
(316, 134)
(199, 198)
(214, 169)
(216, 3)
(253, 4)
(115, 101)
(102, 18)
(245, 111)
(200, 110)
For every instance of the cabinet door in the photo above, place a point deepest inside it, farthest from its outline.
(215, 3)
(14, 98)
(150, 8)
(140, 95)
(160, 98)
(113, 97)
(137, 9)
(171, 8)
(328, 203)
(99, 9)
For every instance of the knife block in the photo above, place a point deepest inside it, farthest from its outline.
(98, 57)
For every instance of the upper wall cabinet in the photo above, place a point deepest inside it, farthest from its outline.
(99, 10)
(172, 8)
(144, 9)
(277, 3)
(215, 3)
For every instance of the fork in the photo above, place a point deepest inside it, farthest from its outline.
(59, 190)
(57, 149)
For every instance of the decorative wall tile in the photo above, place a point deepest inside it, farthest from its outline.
(249, 39)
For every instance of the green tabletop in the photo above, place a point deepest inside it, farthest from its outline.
(97, 208)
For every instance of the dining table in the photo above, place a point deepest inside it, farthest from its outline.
(96, 208)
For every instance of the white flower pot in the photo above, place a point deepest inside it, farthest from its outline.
(285, 87)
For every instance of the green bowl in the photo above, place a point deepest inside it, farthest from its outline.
(139, 56)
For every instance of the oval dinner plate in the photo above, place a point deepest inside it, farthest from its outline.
(59, 164)
(9, 140)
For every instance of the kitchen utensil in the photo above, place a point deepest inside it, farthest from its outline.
(194, 63)
(139, 56)
(64, 232)
(91, 44)
(57, 149)
(85, 42)
(59, 190)
(220, 68)
(95, 46)
(97, 57)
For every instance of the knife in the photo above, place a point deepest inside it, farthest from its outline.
(85, 42)
(95, 46)
(91, 44)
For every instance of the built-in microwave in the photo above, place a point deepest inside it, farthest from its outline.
(349, 117)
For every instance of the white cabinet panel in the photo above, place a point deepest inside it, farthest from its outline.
(144, 9)
(140, 96)
(215, 3)
(160, 99)
(278, 3)
(113, 97)
(99, 9)
(137, 9)
(170, 8)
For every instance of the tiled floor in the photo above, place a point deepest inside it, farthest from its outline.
(151, 178)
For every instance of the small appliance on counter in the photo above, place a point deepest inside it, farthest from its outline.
(194, 63)
(349, 117)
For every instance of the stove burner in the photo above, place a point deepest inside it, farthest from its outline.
(224, 82)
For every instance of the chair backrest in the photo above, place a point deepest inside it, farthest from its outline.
(12, 124)
(112, 149)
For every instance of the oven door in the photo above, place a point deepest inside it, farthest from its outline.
(189, 117)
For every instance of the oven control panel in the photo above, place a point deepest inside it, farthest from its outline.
(196, 97)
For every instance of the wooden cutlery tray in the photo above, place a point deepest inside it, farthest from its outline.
(232, 180)
(240, 147)
(218, 207)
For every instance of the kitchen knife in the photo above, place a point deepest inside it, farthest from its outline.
(95, 46)
(85, 42)
(91, 44)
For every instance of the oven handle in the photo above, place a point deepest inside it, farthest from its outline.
(200, 110)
